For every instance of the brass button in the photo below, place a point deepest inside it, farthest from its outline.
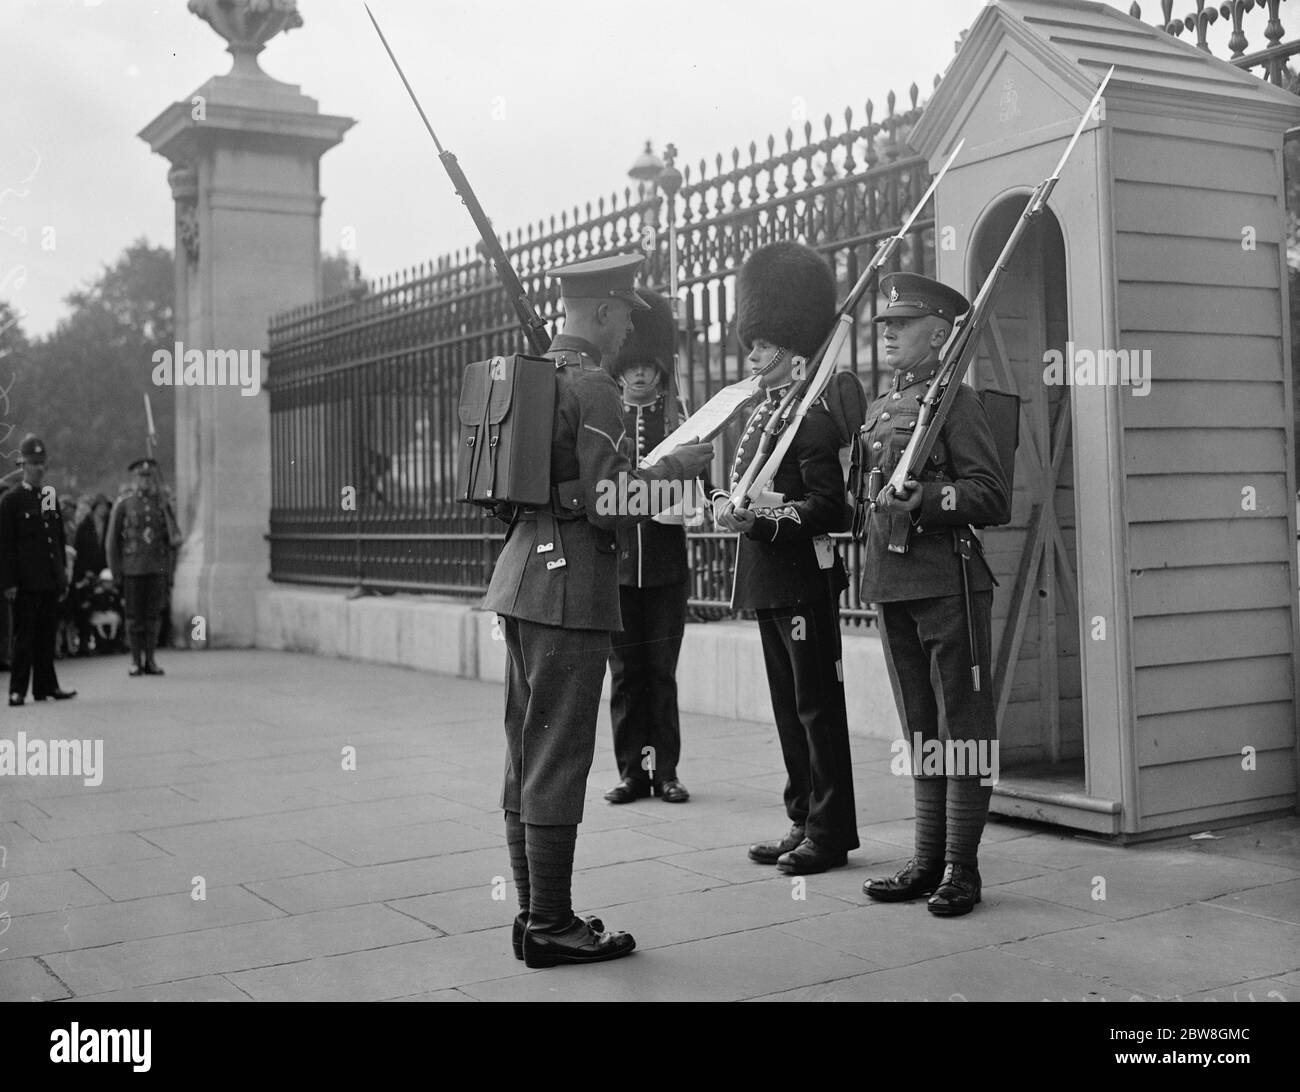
(884, 416)
(876, 446)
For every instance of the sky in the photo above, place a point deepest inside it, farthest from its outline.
(545, 104)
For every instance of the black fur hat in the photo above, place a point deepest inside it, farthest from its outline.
(653, 338)
(785, 295)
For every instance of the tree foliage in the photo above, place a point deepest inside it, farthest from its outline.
(81, 388)
(339, 274)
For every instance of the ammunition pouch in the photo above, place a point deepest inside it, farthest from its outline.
(507, 411)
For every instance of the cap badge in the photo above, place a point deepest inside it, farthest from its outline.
(893, 293)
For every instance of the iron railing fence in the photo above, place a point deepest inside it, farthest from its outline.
(1271, 61)
(364, 387)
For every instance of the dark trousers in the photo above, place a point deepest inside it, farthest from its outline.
(643, 680)
(36, 619)
(927, 650)
(552, 699)
(801, 650)
(143, 598)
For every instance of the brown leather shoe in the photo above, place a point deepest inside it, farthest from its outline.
(958, 892)
(914, 880)
(770, 852)
(577, 942)
(808, 857)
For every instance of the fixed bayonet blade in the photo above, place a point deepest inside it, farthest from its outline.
(1078, 132)
(925, 197)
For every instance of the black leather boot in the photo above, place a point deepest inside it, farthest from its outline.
(958, 892)
(770, 852)
(521, 922)
(548, 944)
(914, 880)
(808, 858)
(627, 790)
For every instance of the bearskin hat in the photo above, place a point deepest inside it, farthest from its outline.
(653, 338)
(785, 295)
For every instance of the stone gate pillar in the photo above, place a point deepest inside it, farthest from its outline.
(245, 152)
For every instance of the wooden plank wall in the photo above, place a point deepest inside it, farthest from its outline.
(1212, 583)
(1027, 326)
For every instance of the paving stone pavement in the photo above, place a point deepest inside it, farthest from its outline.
(226, 779)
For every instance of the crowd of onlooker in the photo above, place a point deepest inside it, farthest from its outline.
(91, 610)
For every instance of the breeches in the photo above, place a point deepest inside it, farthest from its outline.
(142, 600)
(552, 699)
(927, 650)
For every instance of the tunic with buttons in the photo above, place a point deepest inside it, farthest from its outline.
(592, 472)
(32, 540)
(962, 484)
(139, 538)
(650, 554)
(776, 564)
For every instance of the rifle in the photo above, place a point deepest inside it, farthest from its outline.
(534, 327)
(150, 442)
(960, 349)
(764, 466)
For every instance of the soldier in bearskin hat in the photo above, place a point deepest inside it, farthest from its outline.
(787, 570)
(142, 534)
(33, 576)
(923, 595)
(652, 576)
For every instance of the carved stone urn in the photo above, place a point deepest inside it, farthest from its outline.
(247, 25)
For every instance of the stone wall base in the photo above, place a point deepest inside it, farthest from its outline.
(720, 672)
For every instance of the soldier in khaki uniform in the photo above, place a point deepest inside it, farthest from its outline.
(556, 587)
(919, 593)
(141, 536)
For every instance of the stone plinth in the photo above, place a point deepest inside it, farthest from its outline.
(245, 177)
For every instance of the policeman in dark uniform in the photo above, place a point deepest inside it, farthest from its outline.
(652, 578)
(555, 586)
(787, 568)
(33, 576)
(920, 595)
(140, 539)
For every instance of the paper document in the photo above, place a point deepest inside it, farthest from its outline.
(707, 421)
